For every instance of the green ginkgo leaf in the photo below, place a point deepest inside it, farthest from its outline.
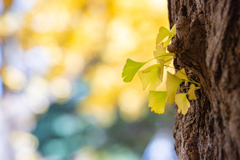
(130, 69)
(181, 74)
(157, 101)
(163, 33)
(182, 103)
(149, 77)
(191, 92)
(172, 85)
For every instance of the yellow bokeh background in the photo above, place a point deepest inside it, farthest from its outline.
(74, 33)
(90, 39)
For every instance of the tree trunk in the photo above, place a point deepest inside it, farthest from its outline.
(207, 45)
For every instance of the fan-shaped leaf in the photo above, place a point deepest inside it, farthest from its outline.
(130, 69)
(191, 92)
(157, 101)
(163, 33)
(182, 103)
(173, 29)
(161, 55)
(150, 77)
(181, 74)
(172, 84)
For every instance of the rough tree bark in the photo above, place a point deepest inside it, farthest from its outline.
(207, 44)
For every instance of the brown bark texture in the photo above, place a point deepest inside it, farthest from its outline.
(207, 45)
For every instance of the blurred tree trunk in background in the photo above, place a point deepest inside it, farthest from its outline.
(207, 45)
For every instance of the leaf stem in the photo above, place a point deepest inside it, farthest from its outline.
(189, 88)
(184, 88)
(169, 60)
(166, 55)
(191, 80)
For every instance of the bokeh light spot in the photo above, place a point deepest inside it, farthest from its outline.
(13, 78)
(65, 125)
(131, 104)
(60, 88)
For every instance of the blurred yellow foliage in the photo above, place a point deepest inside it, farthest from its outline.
(75, 32)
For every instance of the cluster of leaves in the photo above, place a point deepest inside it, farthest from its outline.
(152, 77)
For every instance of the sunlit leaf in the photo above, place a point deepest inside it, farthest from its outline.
(160, 50)
(130, 69)
(181, 74)
(166, 43)
(161, 55)
(173, 29)
(172, 84)
(171, 35)
(161, 71)
(168, 62)
(191, 92)
(163, 33)
(182, 103)
(149, 77)
(157, 101)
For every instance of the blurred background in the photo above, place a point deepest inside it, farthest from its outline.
(62, 95)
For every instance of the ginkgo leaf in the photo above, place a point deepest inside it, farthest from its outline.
(181, 74)
(161, 55)
(182, 103)
(160, 50)
(166, 43)
(130, 69)
(173, 29)
(172, 32)
(171, 35)
(161, 71)
(172, 85)
(168, 62)
(191, 92)
(149, 77)
(157, 101)
(163, 33)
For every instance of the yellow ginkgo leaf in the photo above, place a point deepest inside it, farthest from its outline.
(166, 43)
(160, 49)
(130, 69)
(163, 33)
(157, 101)
(173, 29)
(168, 62)
(181, 74)
(191, 92)
(182, 103)
(149, 77)
(161, 55)
(172, 85)
(161, 71)
(171, 35)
